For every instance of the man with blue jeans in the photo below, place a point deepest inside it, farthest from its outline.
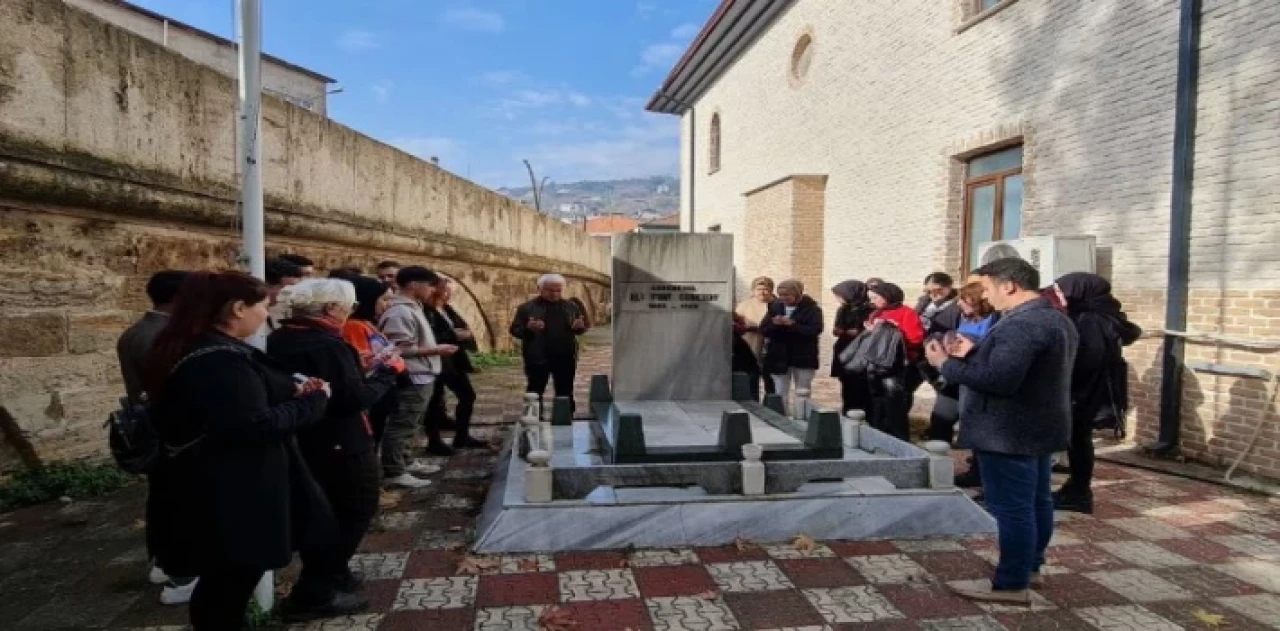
(1015, 412)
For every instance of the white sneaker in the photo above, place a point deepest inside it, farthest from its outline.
(157, 576)
(408, 481)
(177, 594)
(421, 467)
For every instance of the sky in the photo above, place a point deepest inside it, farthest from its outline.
(485, 84)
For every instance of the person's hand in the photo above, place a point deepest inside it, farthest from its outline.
(785, 321)
(579, 324)
(326, 389)
(465, 334)
(446, 350)
(536, 324)
(960, 346)
(935, 353)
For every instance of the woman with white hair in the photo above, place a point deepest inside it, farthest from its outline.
(339, 450)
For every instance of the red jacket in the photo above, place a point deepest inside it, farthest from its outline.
(908, 321)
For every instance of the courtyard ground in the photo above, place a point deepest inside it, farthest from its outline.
(1160, 552)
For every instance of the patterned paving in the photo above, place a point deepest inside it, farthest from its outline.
(1160, 553)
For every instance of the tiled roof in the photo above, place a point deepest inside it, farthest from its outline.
(610, 225)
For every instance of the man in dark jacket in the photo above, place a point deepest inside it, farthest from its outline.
(135, 342)
(548, 327)
(339, 449)
(1015, 406)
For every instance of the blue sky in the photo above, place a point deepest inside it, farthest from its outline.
(485, 83)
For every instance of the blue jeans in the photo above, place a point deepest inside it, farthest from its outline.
(1019, 495)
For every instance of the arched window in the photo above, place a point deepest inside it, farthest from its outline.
(715, 143)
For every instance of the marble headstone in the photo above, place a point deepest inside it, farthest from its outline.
(672, 322)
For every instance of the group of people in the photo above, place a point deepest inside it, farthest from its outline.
(283, 406)
(1025, 371)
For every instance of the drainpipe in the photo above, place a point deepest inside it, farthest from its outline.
(693, 165)
(1175, 316)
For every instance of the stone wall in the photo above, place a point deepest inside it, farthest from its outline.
(117, 160)
(899, 93)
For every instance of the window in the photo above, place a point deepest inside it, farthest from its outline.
(714, 228)
(993, 201)
(715, 143)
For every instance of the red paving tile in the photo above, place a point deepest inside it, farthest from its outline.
(432, 563)
(927, 601)
(434, 619)
(728, 554)
(609, 615)
(677, 580)
(1207, 582)
(1183, 612)
(506, 590)
(566, 561)
(390, 541)
(1075, 590)
(862, 548)
(771, 610)
(806, 573)
(381, 593)
(1043, 621)
(1202, 550)
(953, 566)
(1083, 558)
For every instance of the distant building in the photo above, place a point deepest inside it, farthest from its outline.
(603, 228)
(281, 79)
(670, 223)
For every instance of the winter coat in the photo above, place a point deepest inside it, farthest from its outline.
(1015, 386)
(1104, 330)
(908, 322)
(794, 346)
(446, 333)
(557, 341)
(240, 493)
(132, 349)
(313, 349)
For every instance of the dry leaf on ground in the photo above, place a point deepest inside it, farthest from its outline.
(556, 619)
(476, 565)
(1212, 620)
(804, 543)
(710, 594)
(389, 499)
(527, 565)
(743, 544)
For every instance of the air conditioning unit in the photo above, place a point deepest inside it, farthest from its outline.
(1052, 255)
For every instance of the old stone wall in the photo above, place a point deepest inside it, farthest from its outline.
(117, 160)
(899, 93)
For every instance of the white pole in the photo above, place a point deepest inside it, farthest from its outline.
(253, 255)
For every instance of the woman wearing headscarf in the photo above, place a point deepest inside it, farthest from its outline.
(852, 315)
(1097, 380)
(791, 329)
(890, 398)
(361, 332)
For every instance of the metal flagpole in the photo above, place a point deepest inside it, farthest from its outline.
(253, 253)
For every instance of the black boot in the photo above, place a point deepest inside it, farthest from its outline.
(341, 604)
(1069, 498)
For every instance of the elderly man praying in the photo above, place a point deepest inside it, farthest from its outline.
(547, 327)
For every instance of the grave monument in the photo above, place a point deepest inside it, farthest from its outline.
(676, 454)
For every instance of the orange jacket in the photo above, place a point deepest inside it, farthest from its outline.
(368, 341)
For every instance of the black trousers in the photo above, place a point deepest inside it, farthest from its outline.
(350, 482)
(890, 406)
(558, 370)
(943, 419)
(221, 598)
(1080, 454)
(459, 383)
(855, 394)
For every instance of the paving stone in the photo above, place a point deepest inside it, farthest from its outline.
(432, 563)
(522, 563)
(967, 623)
(399, 520)
(1255, 523)
(588, 585)
(441, 540)
(729, 553)
(862, 548)
(1126, 618)
(672, 581)
(1256, 546)
(1264, 608)
(820, 573)
(523, 618)
(1038, 602)
(928, 545)
(1140, 585)
(789, 551)
(416, 620)
(1211, 582)
(951, 566)
(1149, 528)
(517, 589)
(860, 603)
(749, 576)
(1145, 554)
(1155, 489)
(449, 592)
(387, 541)
(1076, 590)
(649, 558)
(382, 565)
(773, 610)
(381, 594)
(1263, 574)
(927, 600)
(591, 560)
(609, 615)
(889, 568)
(690, 613)
(362, 622)
(1200, 550)
(450, 501)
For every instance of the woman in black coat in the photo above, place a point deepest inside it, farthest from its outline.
(851, 317)
(1098, 378)
(449, 328)
(242, 498)
(791, 329)
(339, 449)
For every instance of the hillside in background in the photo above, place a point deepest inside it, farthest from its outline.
(642, 198)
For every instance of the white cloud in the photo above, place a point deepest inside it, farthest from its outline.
(657, 56)
(357, 40)
(645, 8)
(476, 20)
(569, 151)
(685, 31)
(382, 90)
(448, 150)
(580, 100)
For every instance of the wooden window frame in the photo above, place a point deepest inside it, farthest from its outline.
(997, 214)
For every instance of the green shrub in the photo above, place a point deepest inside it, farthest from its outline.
(495, 359)
(77, 481)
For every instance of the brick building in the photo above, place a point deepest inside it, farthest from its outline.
(891, 137)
